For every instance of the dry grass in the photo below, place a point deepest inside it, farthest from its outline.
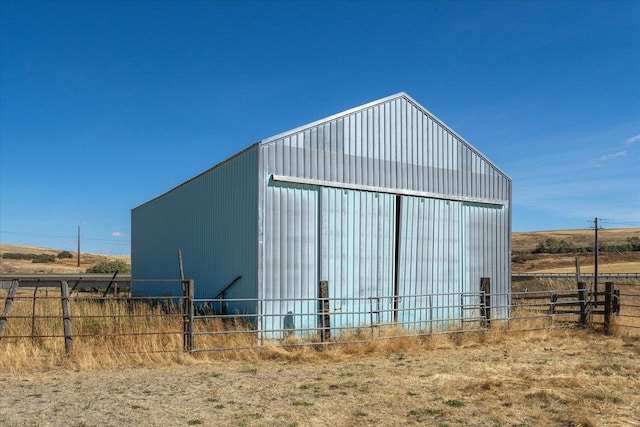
(556, 378)
(611, 267)
(572, 377)
(106, 332)
(525, 242)
(547, 377)
(60, 266)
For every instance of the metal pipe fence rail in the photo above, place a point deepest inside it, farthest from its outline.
(626, 302)
(300, 321)
(49, 311)
(179, 322)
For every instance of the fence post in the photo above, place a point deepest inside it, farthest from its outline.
(552, 304)
(66, 316)
(7, 305)
(583, 303)
(33, 312)
(187, 315)
(607, 306)
(323, 309)
(615, 305)
(462, 311)
(485, 300)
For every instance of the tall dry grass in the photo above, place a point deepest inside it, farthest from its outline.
(106, 332)
(125, 332)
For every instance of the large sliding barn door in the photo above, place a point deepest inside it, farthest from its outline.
(430, 245)
(290, 257)
(385, 257)
(356, 247)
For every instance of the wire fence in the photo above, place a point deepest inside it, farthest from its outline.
(89, 319)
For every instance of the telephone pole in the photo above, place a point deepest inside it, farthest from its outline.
(78, 246)
(595, 260)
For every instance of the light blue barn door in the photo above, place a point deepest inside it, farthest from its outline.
(290, 259)
(356, 247)
(487, 255)
(430, 283)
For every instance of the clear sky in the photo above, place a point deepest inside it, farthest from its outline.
(106, 105)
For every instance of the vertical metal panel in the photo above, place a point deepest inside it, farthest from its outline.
(394, 144)
(431, 260)
(356, 252)
(487, 252)
(290, 253)
(213, 219)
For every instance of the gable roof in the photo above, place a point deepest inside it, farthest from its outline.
(385, 100)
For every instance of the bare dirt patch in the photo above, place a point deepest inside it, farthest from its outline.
(545, 378)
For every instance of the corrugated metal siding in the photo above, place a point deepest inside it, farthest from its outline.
(397, 145)
(394, 144)
(213, 219)
(431, 260)
(357, 240)
(284, 237)
(290, 256)
(487, 252)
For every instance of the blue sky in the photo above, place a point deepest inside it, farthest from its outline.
(105, 105)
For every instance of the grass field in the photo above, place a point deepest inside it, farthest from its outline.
(550, 378)
(60, 266)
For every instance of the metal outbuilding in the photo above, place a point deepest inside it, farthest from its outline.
(395, 211)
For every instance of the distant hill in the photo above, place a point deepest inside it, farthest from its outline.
(524, 258)
(524, 245)
(58, 266)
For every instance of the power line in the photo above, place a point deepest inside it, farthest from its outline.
(628, 223)
(52, 236)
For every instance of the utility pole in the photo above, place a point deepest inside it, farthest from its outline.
(78, 246)
(595, 261)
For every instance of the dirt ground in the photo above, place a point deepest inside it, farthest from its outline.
(559, 378)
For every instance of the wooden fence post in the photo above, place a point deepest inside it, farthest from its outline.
(33, 312)
(485, 300)
(615, 305)
(582, 299)
(607, 306)
(552, 304)
(7, 304)
(324, 321)
(66, 316)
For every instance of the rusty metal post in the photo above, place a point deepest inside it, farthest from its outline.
(485, 300)
(187, 315)
(324, 321)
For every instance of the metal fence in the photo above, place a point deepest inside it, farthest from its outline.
(92, 315)
(626, 303)
(359, 320)
(310, 321)
(86, 313)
